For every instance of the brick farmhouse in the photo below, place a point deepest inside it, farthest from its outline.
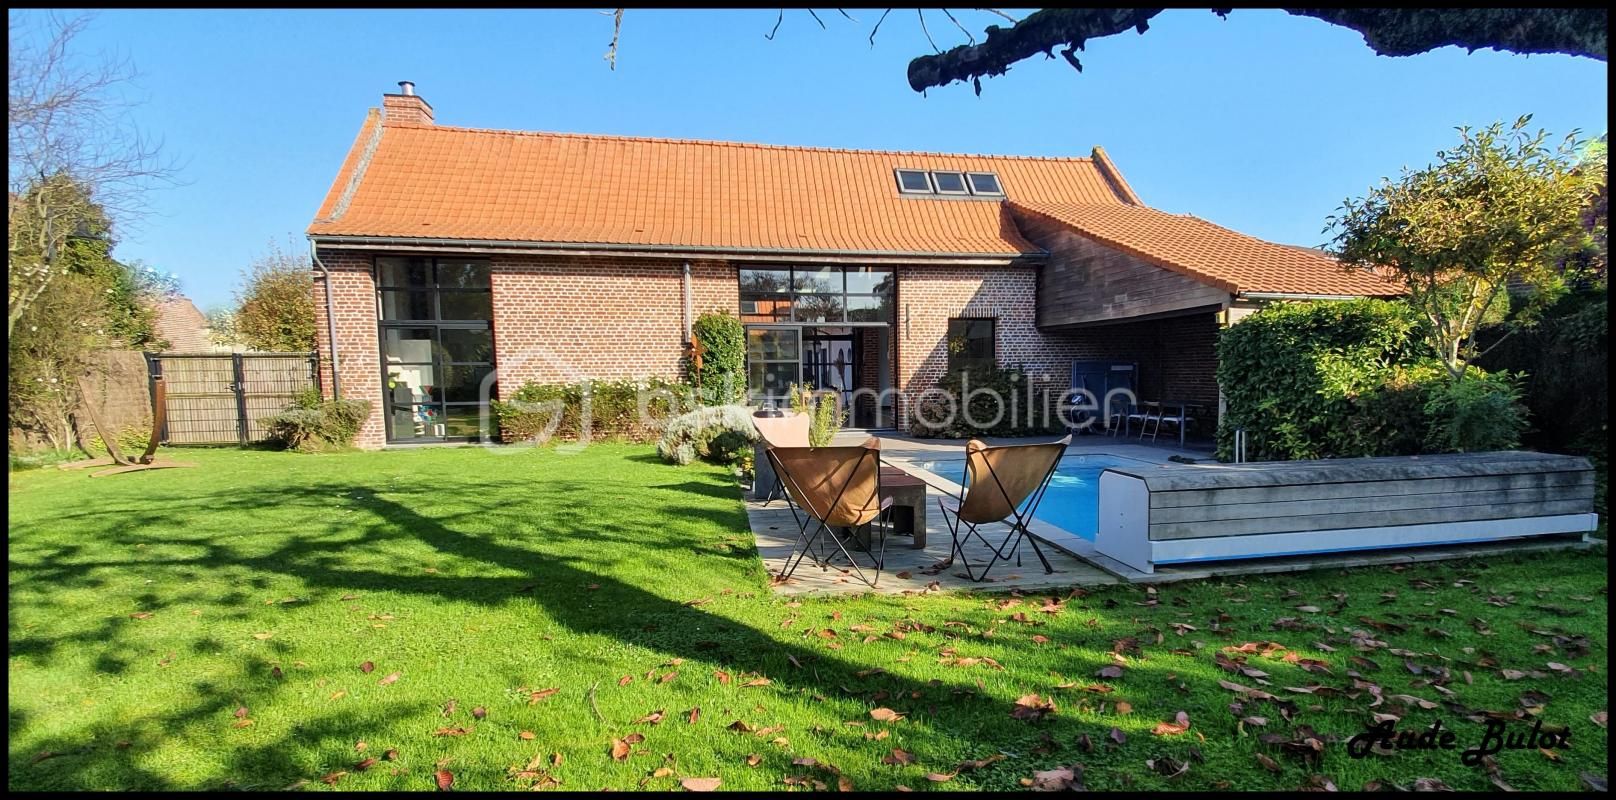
(453, 262)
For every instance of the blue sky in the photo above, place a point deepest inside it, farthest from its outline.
(1263, 122)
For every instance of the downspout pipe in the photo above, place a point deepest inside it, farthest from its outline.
(330, 320)
(689, 306)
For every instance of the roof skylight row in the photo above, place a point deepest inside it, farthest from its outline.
(942, 182)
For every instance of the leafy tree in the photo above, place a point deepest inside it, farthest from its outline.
(1493, 220)
(1591, 260)
(275, 306)
(222, 326)
(50, 348)
(92, 302)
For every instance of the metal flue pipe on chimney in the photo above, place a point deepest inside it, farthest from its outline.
(406, 87)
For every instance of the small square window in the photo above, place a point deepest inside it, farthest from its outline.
(985, 183)
(913, 181)
(949, 182)
(971, 344)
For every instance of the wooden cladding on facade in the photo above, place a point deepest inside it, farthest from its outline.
(1087, 283)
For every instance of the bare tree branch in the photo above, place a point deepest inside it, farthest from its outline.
(922, 13)
(878, 25)
(816, 18)
(1013, 20)
(1387, 31)
(845, 14)
(75, 161)
(617, 29)
(1411, 31)
(770, 34)
(968, 37)
(1040, 32)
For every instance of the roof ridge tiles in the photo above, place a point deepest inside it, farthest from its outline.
(727, 143)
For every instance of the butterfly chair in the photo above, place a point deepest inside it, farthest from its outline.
(1002, 484)
(790, 430)
(838, 491)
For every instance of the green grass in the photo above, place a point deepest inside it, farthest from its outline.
(481, 577)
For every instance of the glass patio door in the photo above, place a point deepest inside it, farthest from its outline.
(434, 379)
(437, 347)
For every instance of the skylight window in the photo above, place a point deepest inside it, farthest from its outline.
(949, 182)
(913, 181)
(985, 183)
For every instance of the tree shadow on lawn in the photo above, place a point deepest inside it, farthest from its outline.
(560, 582)
(549, 549)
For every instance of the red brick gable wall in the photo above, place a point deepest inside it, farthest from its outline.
(353, 290)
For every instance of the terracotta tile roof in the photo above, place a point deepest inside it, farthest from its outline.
(1232, 261)
(185, 328)
(441, 182)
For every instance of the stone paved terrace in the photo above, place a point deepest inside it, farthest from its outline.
(1074, 559)
(776, 532)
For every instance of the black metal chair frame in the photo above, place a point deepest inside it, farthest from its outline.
(805, 541)
(1017, 521)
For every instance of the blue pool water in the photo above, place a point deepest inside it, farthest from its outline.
(1073, 500)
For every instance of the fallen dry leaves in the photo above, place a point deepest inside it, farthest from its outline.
(1180, 724)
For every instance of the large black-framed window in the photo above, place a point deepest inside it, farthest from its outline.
(437, 345)
(971, 344)
(820, 295)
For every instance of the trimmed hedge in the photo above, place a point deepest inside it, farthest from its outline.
(722, 377)
(542, 411)
(1332, 379)
(1007, 408)
(313, 424)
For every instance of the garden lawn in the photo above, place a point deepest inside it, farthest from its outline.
(501, 619)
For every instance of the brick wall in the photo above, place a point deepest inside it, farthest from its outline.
(556, 319)
(565, 318)
(354, 297)
(561, 319)
(1177, 356)
(929, 296)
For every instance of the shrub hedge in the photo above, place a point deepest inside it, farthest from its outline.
(722, 375)
(1335, 379)
(633, 410)
(1566, 386)
(312, 423)
(1011, 406)
(720, 434)
(132, 440)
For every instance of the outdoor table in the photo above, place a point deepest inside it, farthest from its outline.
(1161, 407)
(908, 512)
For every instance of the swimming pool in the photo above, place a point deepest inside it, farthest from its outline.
(1073, 500)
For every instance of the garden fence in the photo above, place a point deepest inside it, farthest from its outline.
(220, 398)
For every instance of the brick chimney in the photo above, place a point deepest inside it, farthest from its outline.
(406, 107)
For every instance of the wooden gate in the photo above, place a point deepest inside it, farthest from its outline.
(221, 398)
